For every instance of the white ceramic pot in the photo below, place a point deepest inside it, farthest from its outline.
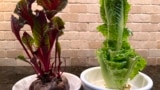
(23, 84)
(92, 80)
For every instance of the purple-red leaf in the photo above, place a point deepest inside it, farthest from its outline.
(50, 14)
(23, 9)
(28, 41)
(54, 8)
(40, 27)
(40, 17)
(56, 5)
(16, 25)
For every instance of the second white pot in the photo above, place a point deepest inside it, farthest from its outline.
(92, 80)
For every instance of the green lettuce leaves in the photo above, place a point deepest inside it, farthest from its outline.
(118, 60)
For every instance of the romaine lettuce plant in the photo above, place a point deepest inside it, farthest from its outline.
(45, 31)
(118, 60)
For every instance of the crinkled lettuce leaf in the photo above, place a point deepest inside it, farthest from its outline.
(118, 60)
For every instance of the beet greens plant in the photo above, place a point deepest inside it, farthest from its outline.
(45, 31)
(118, 60)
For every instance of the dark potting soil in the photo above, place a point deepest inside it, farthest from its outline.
(54, 84)
(10, 75)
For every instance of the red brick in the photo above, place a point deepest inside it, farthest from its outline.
(152, 36)
(93, 27)
(140, 36)
(18, 45)
(158, 44)
(151, 45)
(136, 18)
(79, 61)
(2, 53)
(1, 7)
(149, 27)
(95, 44)
(78, 27)
(5, 26)
(3, 44)
(67, 26)
(154, 53)
(9, 7)
(9, 35)
(13, 53)
(65, 44)
(88, 18)
(157, 35)
(90, 36)
(136, 9)
(138, 44)
(69, 17)
(69, 53)
(86, 53)
(84, 1)
(7, 16)
(140, 2)
(143, 52)
(79, 44)
(155, 18)
(10, 0)
(70, 36)
(93, 8)
(135, 27)
(9, 44)
(1, 16)
(2, 35)
(78, 8)
(156, 2)
(150, 9)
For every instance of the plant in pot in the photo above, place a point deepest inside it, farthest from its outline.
(118, 61)
(46, 28)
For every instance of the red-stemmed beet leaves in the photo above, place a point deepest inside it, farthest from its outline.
(46, 29)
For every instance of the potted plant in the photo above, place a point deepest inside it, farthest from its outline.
(119, 62)
(39, 42)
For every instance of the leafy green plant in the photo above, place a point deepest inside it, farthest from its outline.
(45, 31)
(118, 60)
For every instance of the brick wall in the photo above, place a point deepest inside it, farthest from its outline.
(81, 38)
